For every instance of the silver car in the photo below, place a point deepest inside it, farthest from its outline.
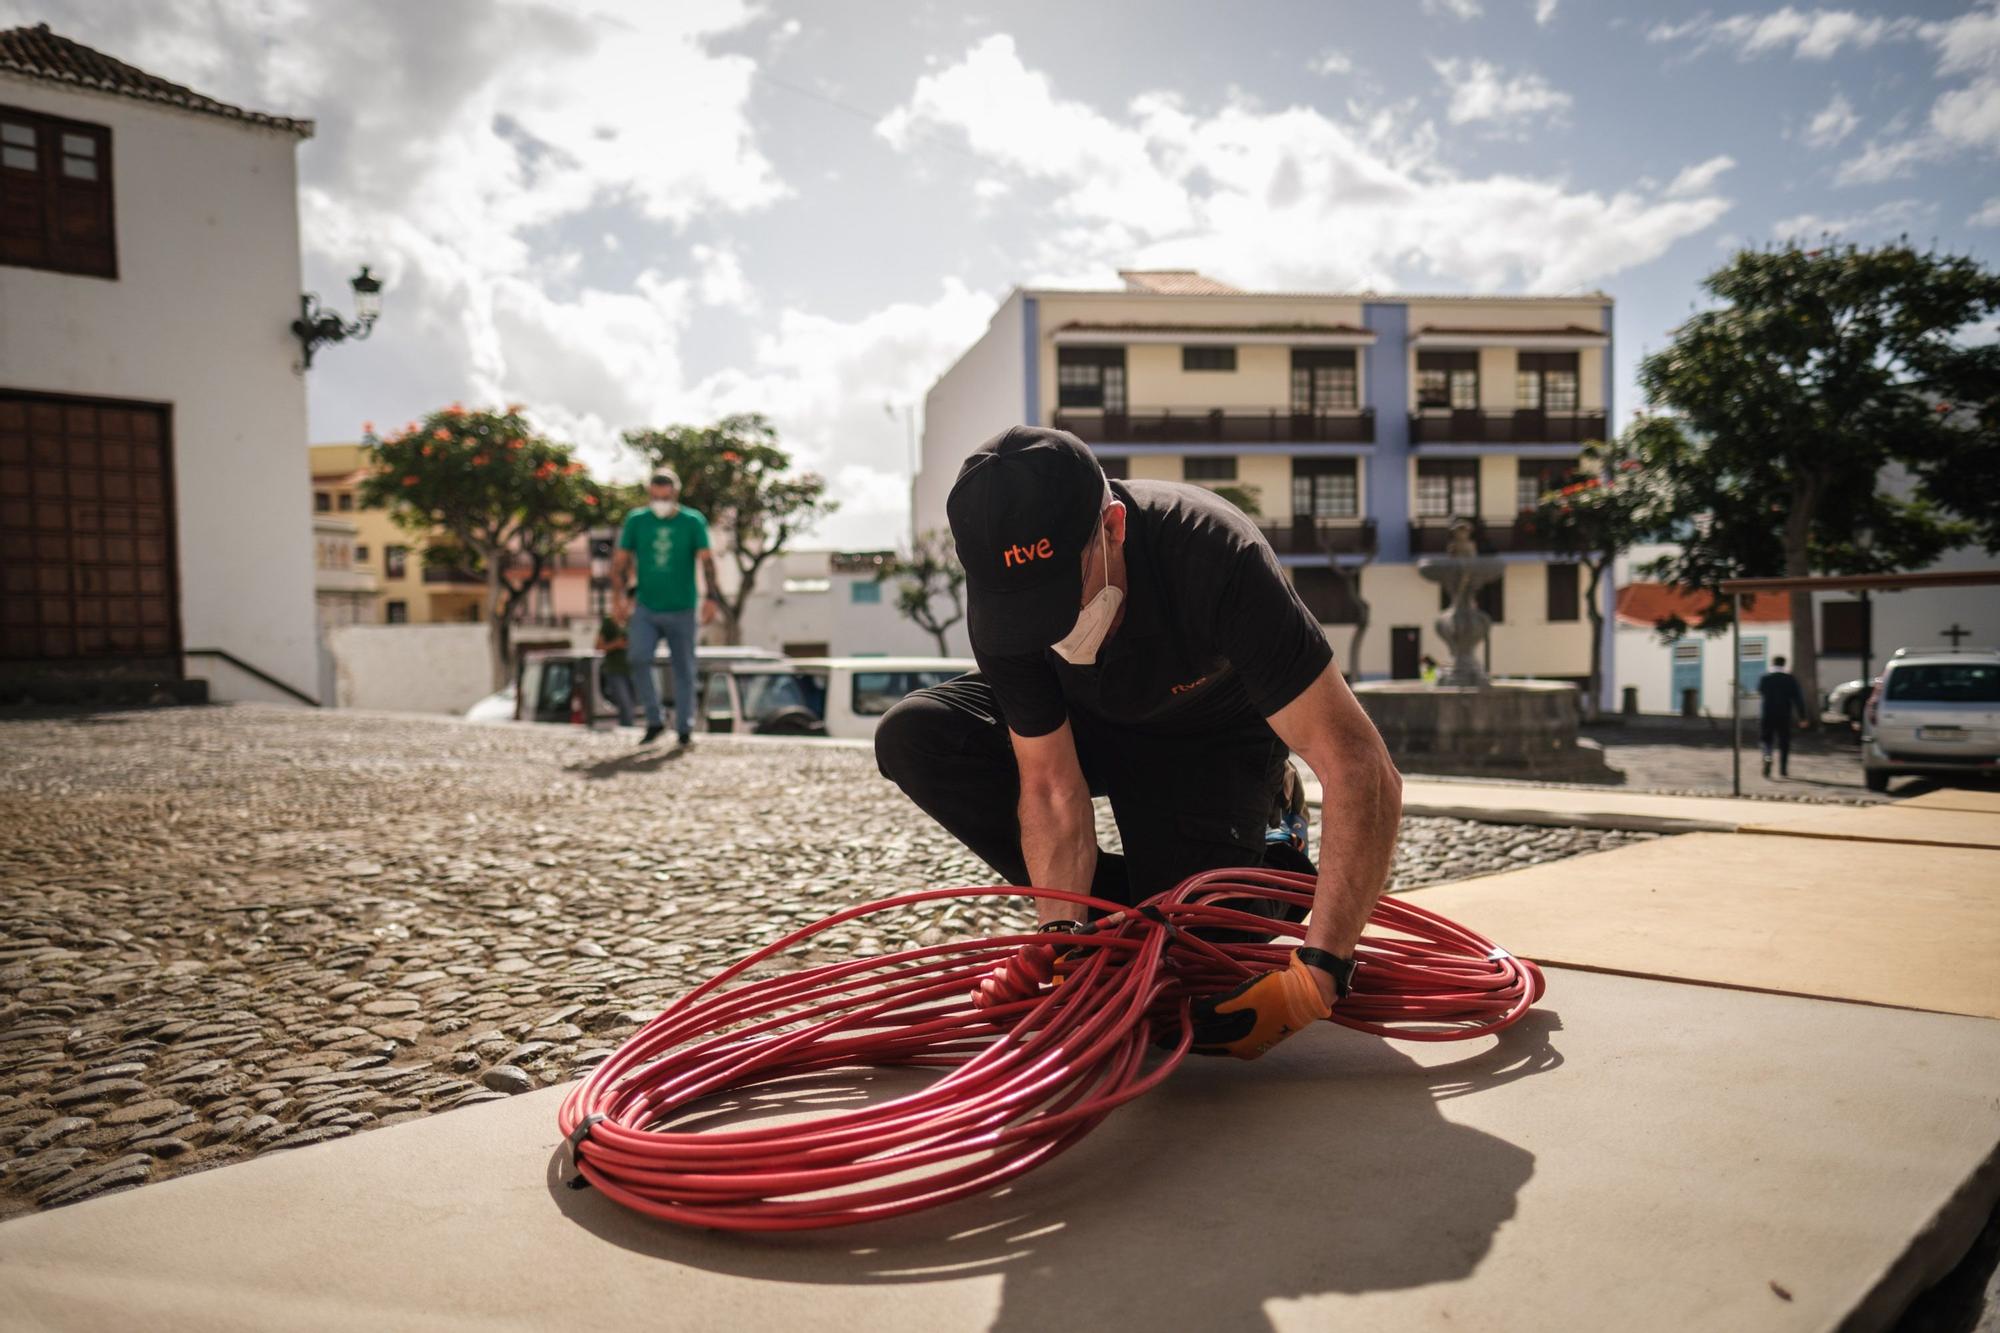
(1936, 713)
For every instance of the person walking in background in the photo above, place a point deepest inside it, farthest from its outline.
(1783, 703)
(1428, 671)
(662, 543)
(615, 671)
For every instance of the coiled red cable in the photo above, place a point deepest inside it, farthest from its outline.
(1023, 1081)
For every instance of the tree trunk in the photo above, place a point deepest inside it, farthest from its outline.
(1594, 608)
(1798, 564)
(943, 649)
(497, 629)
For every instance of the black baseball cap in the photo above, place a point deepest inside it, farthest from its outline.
(1023, 507)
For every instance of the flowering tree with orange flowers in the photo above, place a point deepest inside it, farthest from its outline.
(490, 496)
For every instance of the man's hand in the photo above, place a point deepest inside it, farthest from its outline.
(710, 609)
(1261, 1012)
(621, 608)
(1032, 967)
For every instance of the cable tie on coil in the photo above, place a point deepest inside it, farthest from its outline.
(575, 1140)
(1159, 918)
(1496, 953)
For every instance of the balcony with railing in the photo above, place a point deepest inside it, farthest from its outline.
(1432, 536)
(1525, 426)
(1320, 536)
(1221, 425)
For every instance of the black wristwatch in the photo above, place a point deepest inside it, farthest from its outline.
(1340, 969)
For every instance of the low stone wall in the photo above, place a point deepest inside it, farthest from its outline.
(421, 668)
(1510, 729)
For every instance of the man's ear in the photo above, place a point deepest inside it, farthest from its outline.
(1114, 521)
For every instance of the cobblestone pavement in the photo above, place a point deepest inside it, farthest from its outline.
(236, 930)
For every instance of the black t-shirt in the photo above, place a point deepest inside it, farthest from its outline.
(1214, 634)
(1781, 695)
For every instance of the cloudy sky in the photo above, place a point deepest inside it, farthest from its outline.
(627, 214)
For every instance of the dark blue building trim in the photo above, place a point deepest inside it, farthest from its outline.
(1031, 364)
(1389, 395)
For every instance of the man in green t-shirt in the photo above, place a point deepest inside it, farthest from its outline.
(662, 543)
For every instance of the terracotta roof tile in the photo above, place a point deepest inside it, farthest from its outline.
(1647, 604)
(41, 54)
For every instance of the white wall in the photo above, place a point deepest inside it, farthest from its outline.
(1647, 663)
(774, 617)
(1917, 618)
(208, 282)
(426, 668)
(980, 396)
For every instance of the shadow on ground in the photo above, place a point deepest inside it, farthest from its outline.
(637, 761)
(1231, 1186)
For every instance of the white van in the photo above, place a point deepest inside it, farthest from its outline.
(1935, 714)
(842, 697)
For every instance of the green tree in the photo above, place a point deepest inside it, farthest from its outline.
(1607, 506)
(928, 570)
(1246, 498)
(742, 482)
(490, 496)
(1818, 371)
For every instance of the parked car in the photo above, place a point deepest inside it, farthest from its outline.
(1936, 713)
(1844, 703)
(566, 686)
(842, 697)
(495, 707)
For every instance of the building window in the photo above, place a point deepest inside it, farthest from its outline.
(1843, 628)
(1325, 488)
(1448, 380)
(1209, 468)
(1546, 381)
(865, 592)
(1448, 488)
(1208, 358)
(346, 502)
(1324, 379)
(1091, 377)
(1536, 478)
(397, 613)
(1563, 602)
(1492, 599)
(395, 561)
(1116, 469)
(361, 553)
(322, 502)
(1326, 595)
(55, 194)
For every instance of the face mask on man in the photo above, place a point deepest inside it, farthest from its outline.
(1093, 624)
(665, 508)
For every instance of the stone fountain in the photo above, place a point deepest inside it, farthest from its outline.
(1466, 723)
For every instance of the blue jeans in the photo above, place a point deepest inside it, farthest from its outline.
(618, 689)
(646, 628)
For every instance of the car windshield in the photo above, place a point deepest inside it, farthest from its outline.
(1946, 682)
(876, 692)
(769, 693)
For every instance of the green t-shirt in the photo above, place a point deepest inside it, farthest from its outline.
(615, 659)
(663, 552)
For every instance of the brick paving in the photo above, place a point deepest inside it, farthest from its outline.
(239, 930)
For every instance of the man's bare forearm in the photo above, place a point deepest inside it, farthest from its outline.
(1059, 843)
(1361, 809)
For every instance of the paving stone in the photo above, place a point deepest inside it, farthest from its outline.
(158, 1108)
(508, 1079)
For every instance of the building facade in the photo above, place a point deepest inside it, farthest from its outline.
(408, 589)
(1359, 428)
(833, 604)
(152, 412)
(343, 592)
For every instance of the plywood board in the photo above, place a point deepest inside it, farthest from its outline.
(1637, 1156)
(1877, 922)
(1523, 802)
(1892, 823)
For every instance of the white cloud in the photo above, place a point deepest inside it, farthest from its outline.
(1331, 61)
(1880, 162)
(1280, 198)
(1480, 92)
(1458, 9)
(1832, 123)
(1545, 12)
(1892, 218)
(720, 279)
(1812, 34)
(1701, 177)
(1988, 214)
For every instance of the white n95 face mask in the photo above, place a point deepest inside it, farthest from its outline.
(665, 508)
(1093, 624)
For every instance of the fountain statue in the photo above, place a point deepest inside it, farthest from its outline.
(1467, 723)
(1462, 572)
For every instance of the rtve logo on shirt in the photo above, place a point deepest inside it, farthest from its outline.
(1018, 554)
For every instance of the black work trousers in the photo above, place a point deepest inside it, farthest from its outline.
(1776, 731)
(1183, 803)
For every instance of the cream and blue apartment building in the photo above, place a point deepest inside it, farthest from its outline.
(1350, 423)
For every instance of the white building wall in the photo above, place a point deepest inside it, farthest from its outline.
(982, 394)
(208, 282)
(821, 606)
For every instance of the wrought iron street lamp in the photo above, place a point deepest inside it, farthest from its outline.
(317, 326)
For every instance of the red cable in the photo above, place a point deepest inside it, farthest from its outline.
(1024, 1080)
